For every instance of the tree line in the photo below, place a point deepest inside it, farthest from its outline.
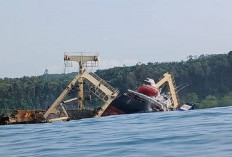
(209, 79)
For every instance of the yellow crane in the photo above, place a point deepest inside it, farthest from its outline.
(169, 81)
(102, 90)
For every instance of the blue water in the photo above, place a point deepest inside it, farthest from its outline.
(205, 132)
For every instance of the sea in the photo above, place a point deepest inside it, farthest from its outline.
(200, 133)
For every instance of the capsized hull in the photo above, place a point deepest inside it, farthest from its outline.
(132, 102)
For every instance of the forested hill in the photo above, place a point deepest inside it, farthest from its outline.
(209, 78)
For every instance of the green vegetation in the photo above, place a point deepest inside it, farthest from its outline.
(209, 78)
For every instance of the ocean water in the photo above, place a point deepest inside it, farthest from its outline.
(198, 133)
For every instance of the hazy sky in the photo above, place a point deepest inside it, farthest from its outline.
(34, 34)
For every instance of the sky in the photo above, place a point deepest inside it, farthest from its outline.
(34, 34)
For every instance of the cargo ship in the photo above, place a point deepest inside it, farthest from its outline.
(148, 98)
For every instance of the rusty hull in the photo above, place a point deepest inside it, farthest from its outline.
(23, 117)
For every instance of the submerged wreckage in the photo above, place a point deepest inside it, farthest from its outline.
(148, 98)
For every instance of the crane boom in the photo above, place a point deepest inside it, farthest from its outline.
(101, 89)
(167, 78)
